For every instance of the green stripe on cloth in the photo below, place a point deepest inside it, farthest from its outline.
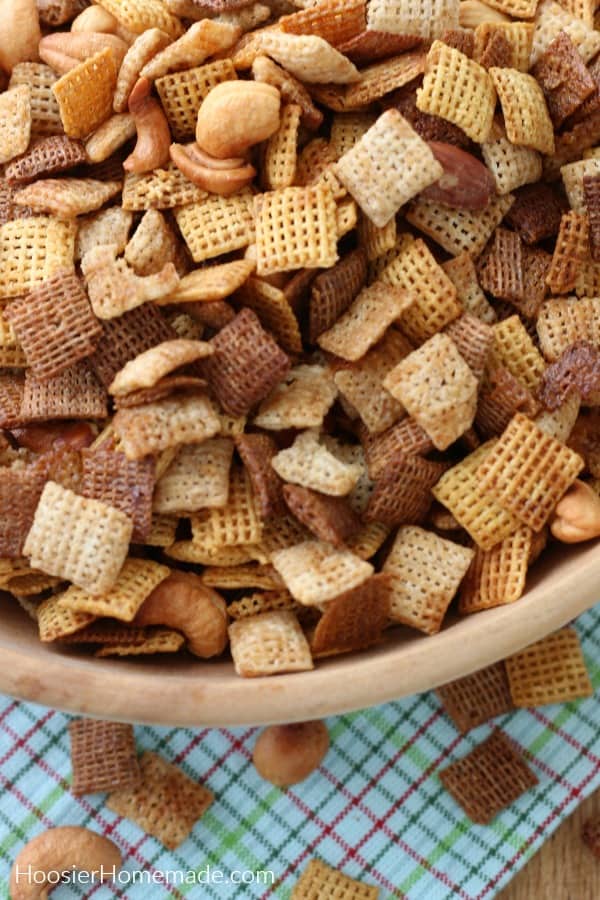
(376, 809)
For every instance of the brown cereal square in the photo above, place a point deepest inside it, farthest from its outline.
(45, 157)
(125, 484)
(74, 393)
(256, 452)
(500, 397)
(11, 400)
(477, 698)
(570, 253)
(591, 191)
(497, 51)
(576, 370)
(536, 212)
(552, 670)
(372, 45)
(103, 756)
(402, 490)
(354, 620)
(473, 339)
(330, 519)
(563, 77)
(502, 272)
(334, 290)
(20, 491)
(405, 436)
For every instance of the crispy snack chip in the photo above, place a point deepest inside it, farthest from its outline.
(489, 778)
(31, 250)
(211, 283)
(315, 571)
(497, 576)
(136, 581)
(157, 426)
(109, 226)
(103, 756)
(274, 312)
(477, 698)
(269, 644)
(372, 45)
(142, 50)
(122, 483)
(308, 57)
(15, 112)
(312, 465)
(292, 91)
(114, 288)
(167, 804)
(201, 40)
(426, 571)
(552, 670)
(147, 369)
(91, 557)
(182, 93)
(85, 94)
(66, 198)
(153, 245)
(382, 78)
(198, 478)
(217, 225)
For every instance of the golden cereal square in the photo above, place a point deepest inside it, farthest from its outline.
(315, 571)
(526, 117)
(217, 225)
(32, 250)
(269, 643)
(497, 576)
(321, 881)
(137, 579)
(552, 670)
(85, 94)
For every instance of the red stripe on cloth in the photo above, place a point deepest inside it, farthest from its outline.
(19, 741)
(26, 802)
(568, 738)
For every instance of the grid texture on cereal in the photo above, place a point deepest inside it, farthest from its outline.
(103, 756)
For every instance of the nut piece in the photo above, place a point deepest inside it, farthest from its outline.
(236, 115)
(577, 516)
(20, 33)
(466, 182)
(192, 161)
(183, 602)
(153, 135)
(287, 754)
(65, 50)
(61, 850)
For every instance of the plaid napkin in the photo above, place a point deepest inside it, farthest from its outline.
(375, 809)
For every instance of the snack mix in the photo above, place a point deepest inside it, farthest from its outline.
(299, 336)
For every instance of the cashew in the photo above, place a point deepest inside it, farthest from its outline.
(61, 850)
(183, 602)
(577, 516)
(20, 32)
(219, 180)
(287, 754)
(65, 50)
(235, 115)
(153, 135)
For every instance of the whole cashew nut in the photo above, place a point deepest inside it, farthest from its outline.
(183, 602)
(153, 134)
(577, 516)
(217, 179)
(58, 850)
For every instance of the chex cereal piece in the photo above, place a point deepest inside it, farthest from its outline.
(236, 523)
(20, 491)
(459, 90)
(45, 114)
(189, 419)
(246, 364)
(85, 94)
(551, 19)
(371, 45)
(518, 34)
(160, 189)
(347, 129)
(354, 620)
(211, 283)
(11, 400)
(109, 226)
(153, 244)
(334, 20)
(201, 40)
(563, 77)
(527, 471)
(114, 288)
(366, 320)
(182, 93)
(15, 112)
(124, 484)
(570, 252)
(46, 156)
(488, 779)
(291, 90)
(511, 166)
(426, 571)
(331, 519)
(458, 230)
(310, 464)
(552, 670)
(136, 581)
(147, 369)
(141, 51)
(428, 20)
(167, 804)
(302, 399)
(55, 623)
(514, 349)
(217, 225)
(274, 312)
(73, 393)
(462, 273)
(242, 576)
(577, 369)
(473, 339)
(500, 397)
(497, 576)
(55, 324)
(31, 250)
(334, 290)
(279, 164)
(295, 227)
(90, 558)
(163, 530)
(308, 57)
(438, 389)
(103, 756)
(315, 571)
(563, 321)
(536, 212)
(477, 698)
(256, 452)
(268, 601)
(573, 175)
(382, 78)
(156, 640)
(402, 490)
(591, 192)
(502, 271)
(197, 478)
(138, 15)
(496, 52)
(526, 116)
(405, 436)
(415, 270)
(376, 241)
(269, 644)
(127, 337)
(8, 208)
(372, 173)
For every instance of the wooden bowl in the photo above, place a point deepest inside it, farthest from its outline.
(189, 692)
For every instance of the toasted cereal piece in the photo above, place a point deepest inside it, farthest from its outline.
(458, 230)
(167, 804)
(511, 166)
(334, 20)
(8, 208)
(437, 388)
(591, 193)
(488, 779)
(460, 491)
(315, 571)
(405, 437)
(372, 45)
(15, 111)
(142, 50)
(295, 227)
(570, 252)
(497, 51)
(279, 163)
(331, 519)
(402, 490)
(147, 369)
(240, 577)
(518, 34)
(291, 90)
(12, 388)
(182, 93)
(347, 129)
(425, 20)
(256, 452)
(551, 19)
(382, 78)
(502, 271)
(198, 478)
(274, 312)
(376, 156)
(308, 57)
(269, 644)
(109, 226)
(201, 40)
(463, 275)
(66, 198)
(497, 576)
(73, 393)
(573, 175)
(563, 77)
(346, 217)
(376, 241)
(20, 491)
(552, 670)
(563, 321)
(425, 573)
(156, 640)
(45, 114)
(514, 349)
(31, 250)
(138, 15)
(577, 370)
(354, 620)
(114, 289)
(334, 290)
(526, 116)
(315, 166)
(124, 484)
(127, 337)
(477, 698)
(500, 397)
(235, 524)
(136, 581)
(46, 156)
(217, 225)
(56, 544)
(55, 623)
(530, 491)
(103, 756)
(311, 465)
(450, 78)
(230, 557)
(157, 426)
(54, 324)
(85, 94)
(268, 601)
(160, 189)
(302, 399)
(473, 339)
(246, 364)
(211, 283)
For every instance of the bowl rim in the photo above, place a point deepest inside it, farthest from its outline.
(217, 697)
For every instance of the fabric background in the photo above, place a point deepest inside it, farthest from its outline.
(376, 808)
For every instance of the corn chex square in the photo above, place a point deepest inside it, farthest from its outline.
(153, 427)
(15, 114)
(81, 540)
(295, 228)
(32, 250)
(269, 643)
(137, 579)
(320, 881)
(85, 94)
(426, 18)
(301, 400)
(552, 670)
(497, 576)
(235, 524)
(311, 464)
(526, 115)
(426, 571)
(197, 478)
(217, 225)
(388, 166)
(458, 230)
(315, 571)
(514, 349)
